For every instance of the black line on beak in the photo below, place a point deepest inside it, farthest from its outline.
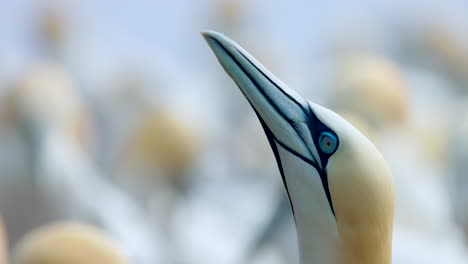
(274, 148)
(301, 105)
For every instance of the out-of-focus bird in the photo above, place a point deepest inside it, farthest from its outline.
(68, 242)
(152, 149)
(376, 86)
(154, 164)
(52, 119)
(339, 185)
(40, 103)
(160, 143)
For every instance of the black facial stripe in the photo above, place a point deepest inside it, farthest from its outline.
(274, 148)
(271, 137)
(322, 173)
(316, 129)
(314, 164)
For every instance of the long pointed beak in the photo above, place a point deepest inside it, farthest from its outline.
(282, 111)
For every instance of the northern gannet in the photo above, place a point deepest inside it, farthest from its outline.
(338, 183)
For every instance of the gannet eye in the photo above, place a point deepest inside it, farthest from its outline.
(328, 142)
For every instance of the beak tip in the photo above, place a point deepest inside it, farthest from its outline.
(209, 34)
(213, 37)
(205, 33)
(215, 41)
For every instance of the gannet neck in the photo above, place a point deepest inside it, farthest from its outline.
(361, 186)
(317, 234)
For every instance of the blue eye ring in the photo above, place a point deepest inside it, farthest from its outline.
(328, 142)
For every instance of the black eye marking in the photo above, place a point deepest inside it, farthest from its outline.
(326, 142)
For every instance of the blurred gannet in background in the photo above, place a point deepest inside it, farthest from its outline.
(49, 114)
(68, 242)
(150, 152)
(31, 116)
(154, 163)
(160, 143)
(151, 149)
(382, 93)
(365, 76)
(339, 185)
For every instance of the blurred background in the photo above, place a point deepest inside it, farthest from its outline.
(123, 141)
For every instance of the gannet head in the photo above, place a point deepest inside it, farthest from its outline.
(339, 185)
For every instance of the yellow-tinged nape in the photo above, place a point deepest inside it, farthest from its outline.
(67, 242)
(362, 193)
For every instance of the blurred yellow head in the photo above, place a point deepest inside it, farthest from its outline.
(66, 243)
(164, 141)
(372, 87)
